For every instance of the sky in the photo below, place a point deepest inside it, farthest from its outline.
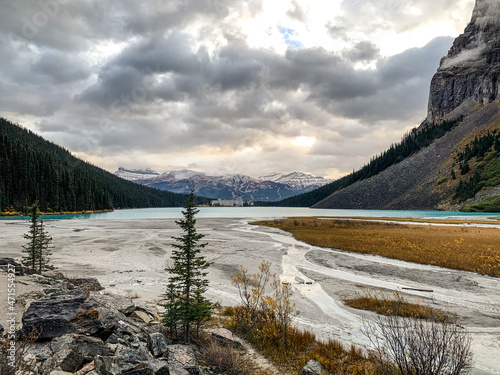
(224, 86)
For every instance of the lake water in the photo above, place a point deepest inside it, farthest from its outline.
(254, 213)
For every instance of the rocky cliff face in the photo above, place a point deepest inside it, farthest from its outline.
(471, 69)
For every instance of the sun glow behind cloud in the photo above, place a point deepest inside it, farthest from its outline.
(238, 86)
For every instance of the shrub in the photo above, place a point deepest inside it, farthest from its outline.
(410, 346)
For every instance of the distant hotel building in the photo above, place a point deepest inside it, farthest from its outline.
(228, 203)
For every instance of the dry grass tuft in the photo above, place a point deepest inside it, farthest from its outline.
(302, 346)
(396, 305)
(464, 248)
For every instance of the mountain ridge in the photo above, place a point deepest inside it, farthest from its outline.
(270, 187)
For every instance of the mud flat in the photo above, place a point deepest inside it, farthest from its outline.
(129, 256)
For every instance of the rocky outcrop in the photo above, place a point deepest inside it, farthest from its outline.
(58, 315)
(471, 70)
(87, 333)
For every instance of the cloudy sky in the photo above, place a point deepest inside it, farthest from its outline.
(223, 86)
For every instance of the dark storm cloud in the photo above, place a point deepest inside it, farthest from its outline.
(164, 86)
(365, 51)
(61, 67)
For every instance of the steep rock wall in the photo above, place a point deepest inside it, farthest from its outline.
(471, 70)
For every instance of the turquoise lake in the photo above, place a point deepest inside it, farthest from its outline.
(254, 212)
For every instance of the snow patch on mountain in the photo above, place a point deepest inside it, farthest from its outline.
(272, 187)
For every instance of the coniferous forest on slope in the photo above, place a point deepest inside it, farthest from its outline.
(410, 144)
(33, 169)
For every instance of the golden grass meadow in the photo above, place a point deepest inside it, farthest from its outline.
(467, 248)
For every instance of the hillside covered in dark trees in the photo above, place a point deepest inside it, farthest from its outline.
(33, 169)
(410, 144)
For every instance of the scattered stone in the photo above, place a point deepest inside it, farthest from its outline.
(90, 283)
(56, 316)
(157, 344)
(122, 304)
(86, 369)
(182, 356)
(312, 367)
(225, 337)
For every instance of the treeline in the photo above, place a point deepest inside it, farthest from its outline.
(35, 170)
(410, 144)
(486, 150)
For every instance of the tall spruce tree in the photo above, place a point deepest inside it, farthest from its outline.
(185, 303)
(38, 248)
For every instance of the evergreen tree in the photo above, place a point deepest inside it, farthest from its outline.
(31, 248)
(38, 246)
(44, 250)
(185, 302)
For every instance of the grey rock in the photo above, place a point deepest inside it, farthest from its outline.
(126, 361)
(66, 360)
(141, 315)
(157, 344)
(182, 356)
(312, 367)
(118, 328)
(86, 283)
(225, 337)
(471, 70)
(56, 316)
(122, 304)
(86, 346)
(54, 275)
(148, 308)
(160, 367)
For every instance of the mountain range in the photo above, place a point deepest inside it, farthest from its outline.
(271, 187)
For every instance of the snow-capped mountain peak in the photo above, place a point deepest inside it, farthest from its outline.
(272, 187)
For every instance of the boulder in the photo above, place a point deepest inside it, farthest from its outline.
(86, 346)
(66, 359)
(157, 344)
(148, 308)
(118, 328)
(182, 356)
(126, 361)
(312, 367)
(225, 337)
(115, 302)
(86, 283)
(141, 315)
(56, 316)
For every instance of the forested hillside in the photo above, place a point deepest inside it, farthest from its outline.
(411, 143)
(33, 169)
